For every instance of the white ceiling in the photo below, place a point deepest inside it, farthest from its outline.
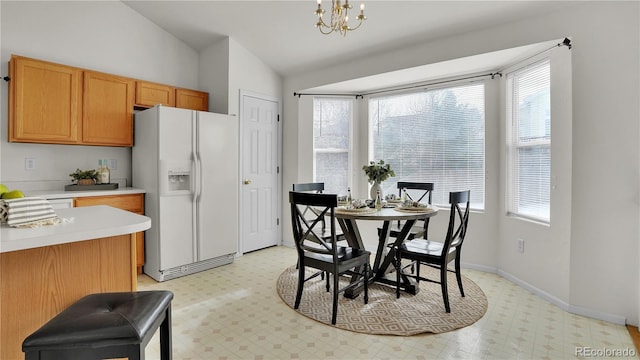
(283, 35)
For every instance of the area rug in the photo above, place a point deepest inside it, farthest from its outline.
(384, 314)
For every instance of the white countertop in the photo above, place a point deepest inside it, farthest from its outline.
(85, 223)
(61, 194)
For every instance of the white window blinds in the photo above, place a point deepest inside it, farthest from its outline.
(332, 142)
(432, 136)
(529, 141)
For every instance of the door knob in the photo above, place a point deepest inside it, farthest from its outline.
(247, 181)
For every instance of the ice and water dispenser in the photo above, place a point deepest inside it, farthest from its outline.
(176, 177)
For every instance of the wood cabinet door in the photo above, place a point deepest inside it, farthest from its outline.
(44, 102)
(192, 99)
(107, 113)
(133, 202)
(151, 94)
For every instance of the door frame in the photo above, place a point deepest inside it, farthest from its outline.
(243, 94)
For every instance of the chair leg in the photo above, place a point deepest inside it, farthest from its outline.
(328, 287)
(335, 299)
(366, 283)
(443, 285)
(458, 274)
(165, 336)
(300, 285)
(397, 262)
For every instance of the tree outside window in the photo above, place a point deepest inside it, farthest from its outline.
(433, 136)
(332, 142)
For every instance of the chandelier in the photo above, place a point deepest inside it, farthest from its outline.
(339, 17)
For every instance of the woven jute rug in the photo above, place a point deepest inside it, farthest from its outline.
(384, 314)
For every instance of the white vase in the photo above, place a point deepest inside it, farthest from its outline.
(374, 191)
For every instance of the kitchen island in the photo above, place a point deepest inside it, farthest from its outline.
(43, 270)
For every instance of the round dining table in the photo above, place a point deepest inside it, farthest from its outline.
(384, 255)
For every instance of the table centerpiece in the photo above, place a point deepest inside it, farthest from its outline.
(376, 174)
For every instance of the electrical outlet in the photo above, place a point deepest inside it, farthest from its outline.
(29, 163)
(520, 245)
(113, 164)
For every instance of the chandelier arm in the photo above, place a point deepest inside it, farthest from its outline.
(339, 18)
(355, 27)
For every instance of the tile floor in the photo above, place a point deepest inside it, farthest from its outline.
(234, 312)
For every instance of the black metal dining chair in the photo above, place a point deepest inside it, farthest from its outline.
(317, 188)
(422, 190)
(325, 255)
(438, 254)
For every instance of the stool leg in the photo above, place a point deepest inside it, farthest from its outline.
(165, 336)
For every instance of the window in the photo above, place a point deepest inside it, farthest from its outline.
(331, 143)
(432, 136)
(529, 142)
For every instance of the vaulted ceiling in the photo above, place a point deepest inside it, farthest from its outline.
(283, 35)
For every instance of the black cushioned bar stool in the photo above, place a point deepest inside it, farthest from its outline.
(105, 325)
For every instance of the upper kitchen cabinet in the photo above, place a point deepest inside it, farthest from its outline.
(192, 99)
(58, 104)
(44, 102)
(150, 94)
(107, 111)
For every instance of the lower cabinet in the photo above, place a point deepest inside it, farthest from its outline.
(132, 202)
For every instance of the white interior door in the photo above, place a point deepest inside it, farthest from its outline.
(259, 220)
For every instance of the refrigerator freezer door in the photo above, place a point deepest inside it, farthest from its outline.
(177, 208)
(217, 201)
(176, 231)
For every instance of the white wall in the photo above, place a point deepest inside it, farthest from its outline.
(247, 72)
(214, 75)
(226, 67)
(589, 262)
(106, 36)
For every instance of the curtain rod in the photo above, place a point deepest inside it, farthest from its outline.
(361, 96)
(566, 42)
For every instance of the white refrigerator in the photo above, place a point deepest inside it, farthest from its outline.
(187, 162)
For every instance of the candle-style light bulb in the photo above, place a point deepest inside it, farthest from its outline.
(361, 6)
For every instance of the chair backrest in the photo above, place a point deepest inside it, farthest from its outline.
(458, 220)
(308, 187)
(427, 187)
(305, 233)
(427, 191)
(316, 188)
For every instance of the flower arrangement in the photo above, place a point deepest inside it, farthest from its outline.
(84, 177)
(378, 172)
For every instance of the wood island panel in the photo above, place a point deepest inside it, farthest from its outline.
(133, 203)
(37, 284)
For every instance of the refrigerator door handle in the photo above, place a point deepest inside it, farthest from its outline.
(196, 182)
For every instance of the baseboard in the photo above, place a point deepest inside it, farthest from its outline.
(543, 294)
(612, 318)
(483, 268)
(599, 315)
